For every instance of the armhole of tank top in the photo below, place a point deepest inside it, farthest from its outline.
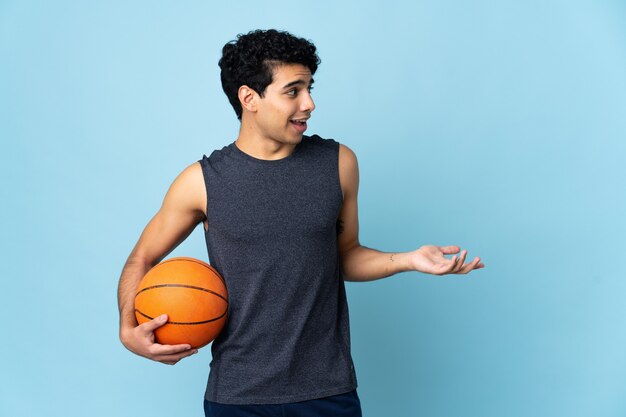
(204, 162)
(337, 175)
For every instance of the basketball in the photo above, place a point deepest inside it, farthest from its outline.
(193, 295)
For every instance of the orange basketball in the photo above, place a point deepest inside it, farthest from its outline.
(193, 295)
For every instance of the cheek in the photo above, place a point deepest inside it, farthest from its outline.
(280, 113)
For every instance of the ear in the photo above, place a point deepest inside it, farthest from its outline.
(248, 98)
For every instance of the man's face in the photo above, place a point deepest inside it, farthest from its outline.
(286, 105)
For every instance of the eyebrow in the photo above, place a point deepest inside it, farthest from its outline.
(297, 82)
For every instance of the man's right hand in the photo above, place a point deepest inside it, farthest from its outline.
(140, 340)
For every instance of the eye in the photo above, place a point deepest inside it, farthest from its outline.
(292, 92)
(310, 88)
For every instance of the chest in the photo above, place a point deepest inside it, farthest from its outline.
(273, 205)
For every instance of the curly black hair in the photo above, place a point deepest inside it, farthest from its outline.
(251, 59)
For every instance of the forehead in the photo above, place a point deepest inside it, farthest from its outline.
(286, 73)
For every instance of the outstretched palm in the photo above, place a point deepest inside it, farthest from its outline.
(430, 259)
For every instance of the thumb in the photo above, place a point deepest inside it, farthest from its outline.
(449, 249)
(155, 323)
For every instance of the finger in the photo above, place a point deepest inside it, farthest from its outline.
(154, 324)
(449, 250)
(456, 263)
(460, 262)
(448, 266)
(471, 266)
(165, 350)
(172, 359)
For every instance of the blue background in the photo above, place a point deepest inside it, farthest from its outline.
(497, 126)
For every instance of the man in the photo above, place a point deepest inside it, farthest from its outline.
(280, 216)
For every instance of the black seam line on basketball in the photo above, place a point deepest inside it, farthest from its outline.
(181, 286)
(199, 263)
(184, 323)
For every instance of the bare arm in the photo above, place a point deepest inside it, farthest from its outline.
(360, 263)
(181, 211)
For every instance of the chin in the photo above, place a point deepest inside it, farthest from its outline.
(296, 140)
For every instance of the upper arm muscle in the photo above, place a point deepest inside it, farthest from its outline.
(348, 221)
(182, 209)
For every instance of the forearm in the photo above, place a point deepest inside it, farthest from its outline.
(134, 270)
(364, 264)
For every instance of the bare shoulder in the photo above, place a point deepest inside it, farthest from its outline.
(348, 170)
(187, 191)
(345, 152)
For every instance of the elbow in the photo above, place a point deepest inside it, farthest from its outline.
(345, 276)
(345, 262)
(141, 258)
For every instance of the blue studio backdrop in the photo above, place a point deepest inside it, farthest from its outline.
(496, 126)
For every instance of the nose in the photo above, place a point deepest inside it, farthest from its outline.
(307, 104)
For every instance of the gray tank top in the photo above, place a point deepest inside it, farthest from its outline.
(272, 236)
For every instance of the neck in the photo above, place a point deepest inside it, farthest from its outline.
(260, 146)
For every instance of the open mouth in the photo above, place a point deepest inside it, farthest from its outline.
(299, 124)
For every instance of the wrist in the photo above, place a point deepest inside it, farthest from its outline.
(124, 336)
(400, 261)
(126, 331)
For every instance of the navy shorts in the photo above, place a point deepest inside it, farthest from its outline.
(342, 405)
